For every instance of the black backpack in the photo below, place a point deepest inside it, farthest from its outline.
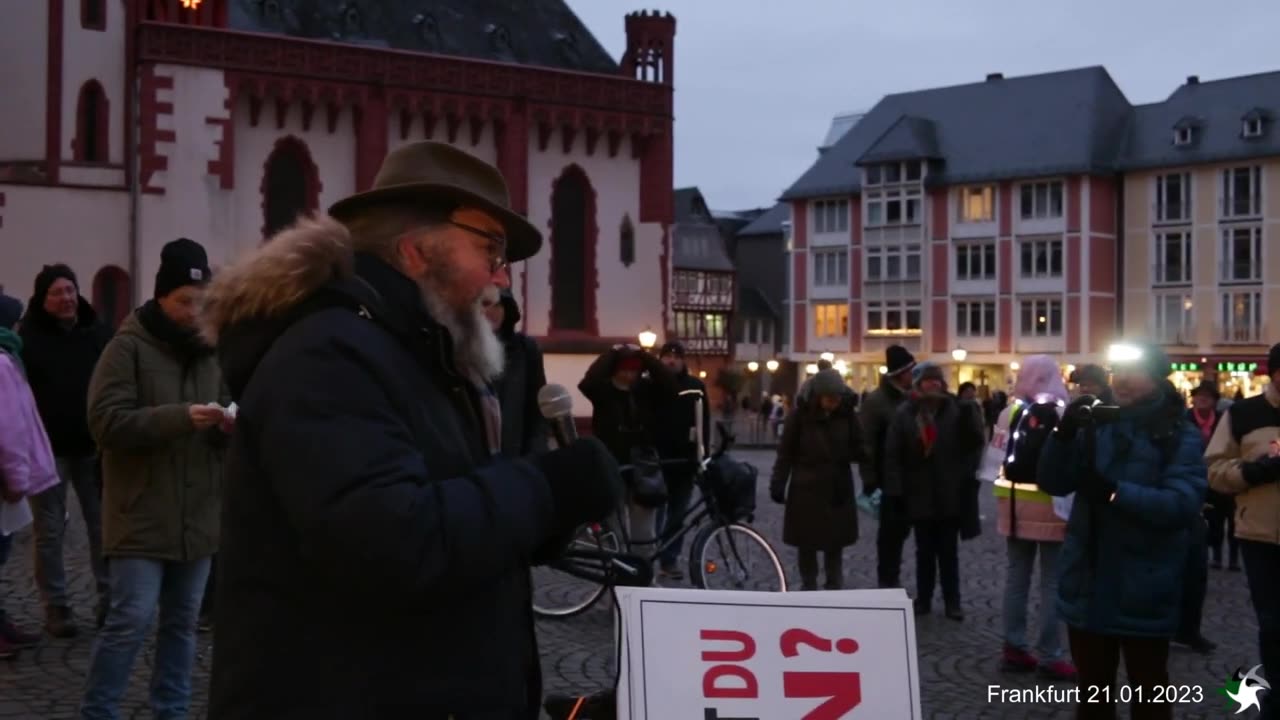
(1030, 425)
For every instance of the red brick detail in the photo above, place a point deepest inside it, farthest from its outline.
(800, 224)
(224, 167)
(939, 325)
(1004, 247)
(1073, 322)
(371, 137)
(150, 160)
(1074, 209)
(657, 177)
(298, 148)
(92, 98)
(800, 270)
(512, 139)
(1102, 324)
(1102, 206)
(591, 285)
(1006, 209)
(1074, 247)
(53, 94)
(855, 231)
(799, 327)
(1004, 309)
(1103, 277)
(941, 270)
(208, 13)
(855, 326)
(855, 272)
(938, 204)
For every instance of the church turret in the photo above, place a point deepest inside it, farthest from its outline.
(650, 52)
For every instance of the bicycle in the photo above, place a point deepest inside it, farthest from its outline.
(601, 553)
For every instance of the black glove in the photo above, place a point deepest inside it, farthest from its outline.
(1262, 471)
(1097, 488)
(584, 479)
(1069, 425)
(778, 494)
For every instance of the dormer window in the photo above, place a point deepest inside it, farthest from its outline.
(1183, 136)
(1253, 123)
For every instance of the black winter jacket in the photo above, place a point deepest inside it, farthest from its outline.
(375, 557)
(524, 431)
(59, 363)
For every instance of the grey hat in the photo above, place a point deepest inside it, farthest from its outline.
(827, 382)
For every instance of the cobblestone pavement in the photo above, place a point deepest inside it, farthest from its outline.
(959, 662)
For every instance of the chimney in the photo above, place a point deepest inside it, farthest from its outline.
(994, 76)
(1193, 79)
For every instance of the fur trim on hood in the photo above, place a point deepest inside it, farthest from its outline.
(276, 276)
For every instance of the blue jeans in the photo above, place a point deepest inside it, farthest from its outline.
(140, 586)
(49, 512)
(1017, 591)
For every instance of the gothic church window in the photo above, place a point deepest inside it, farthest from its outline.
(627, 242)
(290, 185)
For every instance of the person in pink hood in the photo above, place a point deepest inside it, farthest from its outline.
(1027, 518)
(26, 461)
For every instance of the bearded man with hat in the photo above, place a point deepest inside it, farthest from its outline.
(376, 543)
(157, 408)
(1244, 464)
(1139, 480)
(875, 416)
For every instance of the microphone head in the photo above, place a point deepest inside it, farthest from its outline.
(554, 401)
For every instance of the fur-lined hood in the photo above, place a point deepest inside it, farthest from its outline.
(275, 277)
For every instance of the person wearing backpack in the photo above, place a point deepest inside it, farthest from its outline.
(1140, 481)
(1028, 519)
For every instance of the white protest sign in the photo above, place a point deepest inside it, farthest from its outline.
(727, 655)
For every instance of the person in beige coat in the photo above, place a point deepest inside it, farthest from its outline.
(157, 410)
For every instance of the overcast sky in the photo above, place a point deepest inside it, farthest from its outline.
(758, 82)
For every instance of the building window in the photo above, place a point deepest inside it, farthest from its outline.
(895, 263)
(831, 216)
(1183, 136)
(976, 319)
(1173, 197)
(1242, 254)
(1173, 319)
(1041, 318)
(1042, 200)
(1242, 191)
(290, 185)
(93, 14)
(111, 295)
(976, 261)
(899, 206)
(830, 268)
(901, 317)
(1241, 317)
(892, 173)
(1041, 258)
(831, 320)
(572, 235)
(1173, 258)
(92, 125)
(1252, 127)
(978, 204)
(627, 242)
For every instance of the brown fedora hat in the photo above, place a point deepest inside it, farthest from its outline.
(436, 171)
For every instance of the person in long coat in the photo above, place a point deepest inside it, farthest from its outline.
(813, 477)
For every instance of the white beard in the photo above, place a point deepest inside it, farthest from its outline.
(477, 351)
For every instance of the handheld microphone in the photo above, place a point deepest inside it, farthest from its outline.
(556, 405)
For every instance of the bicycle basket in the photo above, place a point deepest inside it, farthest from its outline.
(733, 485)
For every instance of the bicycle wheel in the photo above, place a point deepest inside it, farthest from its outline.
(556, 593)
(735, 557)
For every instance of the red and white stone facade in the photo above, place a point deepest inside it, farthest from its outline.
(134, 122)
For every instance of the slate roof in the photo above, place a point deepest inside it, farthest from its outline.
(1216, 109)
(699, 246)
(529, 32)
(690, 205)
(1070, 121)
(840, 125)
(753, 303)
(770, 223)
(910, 138)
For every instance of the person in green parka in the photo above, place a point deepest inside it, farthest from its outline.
(157, 408)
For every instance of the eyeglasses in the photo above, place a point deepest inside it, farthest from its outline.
(498, 245)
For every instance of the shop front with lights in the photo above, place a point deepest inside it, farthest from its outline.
(1231, 375)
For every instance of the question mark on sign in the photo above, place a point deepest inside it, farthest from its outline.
(791, 640)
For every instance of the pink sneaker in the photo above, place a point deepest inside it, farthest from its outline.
(1058, 670)
(1015, 660)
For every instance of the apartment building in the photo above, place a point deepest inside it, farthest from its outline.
(1202, 228)
(973, 224)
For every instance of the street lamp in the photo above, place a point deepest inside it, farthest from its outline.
(702, 374)
(811, 369)
(753, 366)
(1014, 365)
(772, 365)
(959, 354)
(841, 367)
(648, 339)
(829, 357)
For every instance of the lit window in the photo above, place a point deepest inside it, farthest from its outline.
(977, 204)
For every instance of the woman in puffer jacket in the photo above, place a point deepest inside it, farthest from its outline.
(1026, 517)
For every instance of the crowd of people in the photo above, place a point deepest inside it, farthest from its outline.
(343, 428)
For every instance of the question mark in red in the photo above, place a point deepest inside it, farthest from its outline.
(791, 640)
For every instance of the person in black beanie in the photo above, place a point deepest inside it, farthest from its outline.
(158, 409)
(61, 343)
(875, 416)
